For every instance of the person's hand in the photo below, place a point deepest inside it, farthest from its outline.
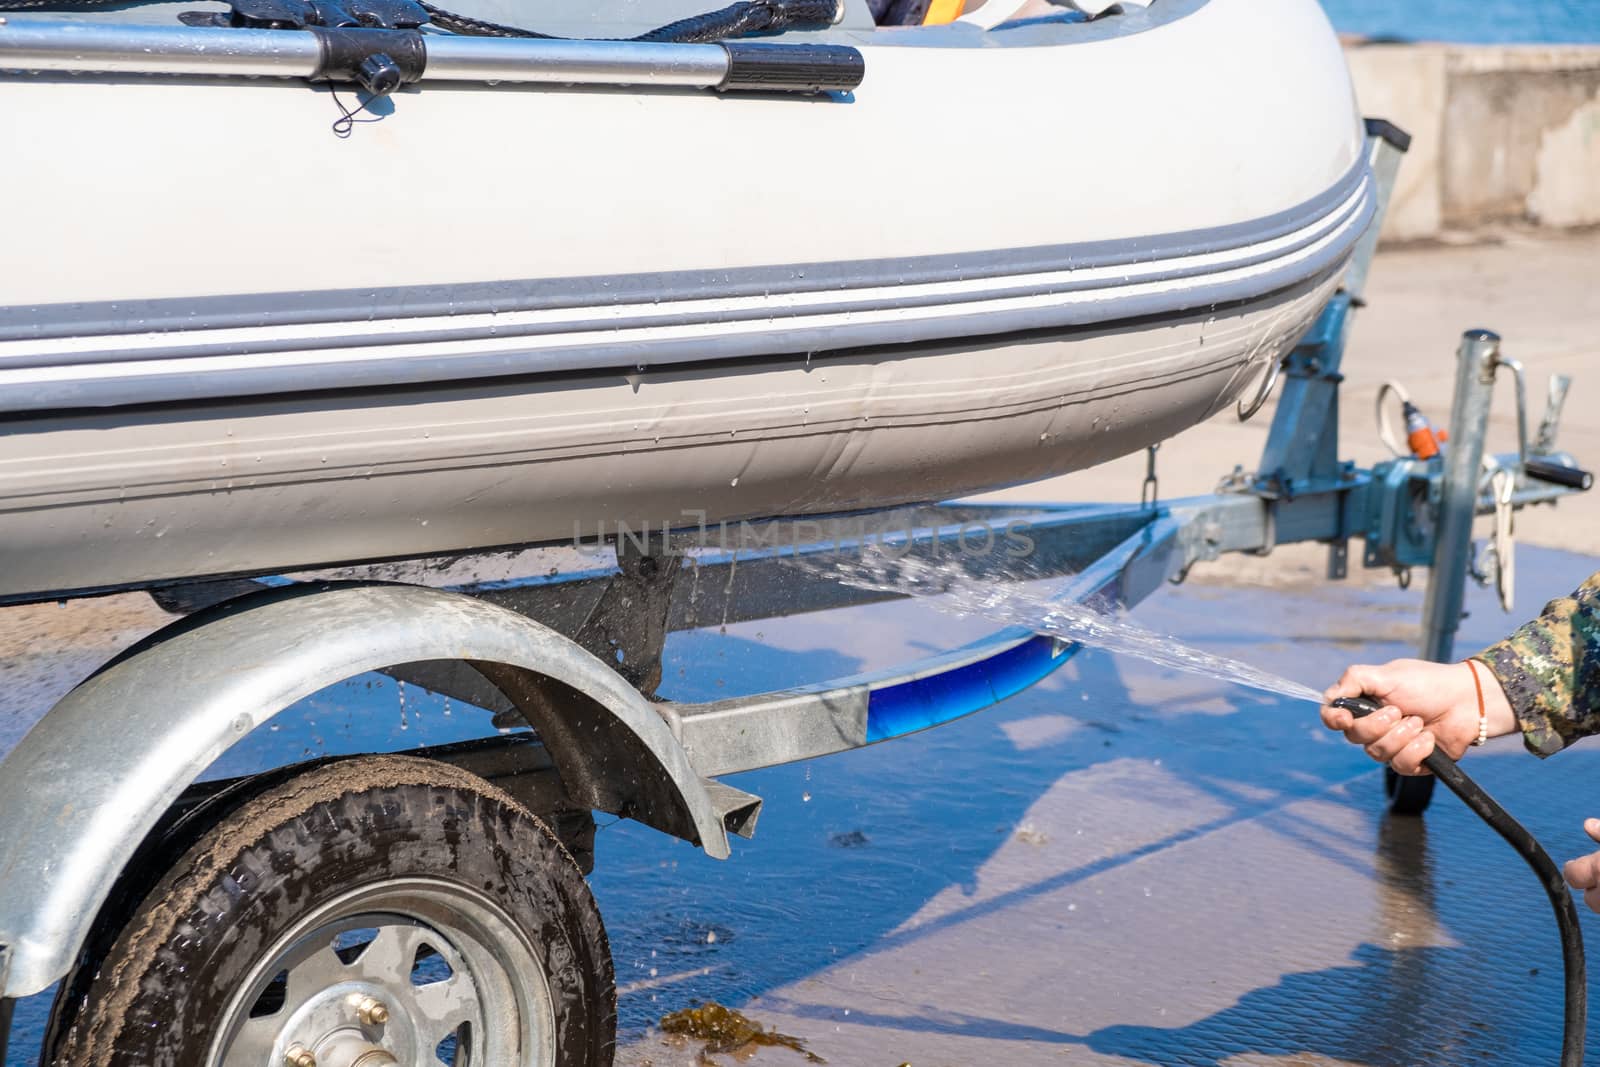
(1425, 704)
(1584, 873)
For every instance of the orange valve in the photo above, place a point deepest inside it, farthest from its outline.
(1420, 435)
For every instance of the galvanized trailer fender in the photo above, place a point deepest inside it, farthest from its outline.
(88, 783)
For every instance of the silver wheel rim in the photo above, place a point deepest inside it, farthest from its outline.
(408, 971)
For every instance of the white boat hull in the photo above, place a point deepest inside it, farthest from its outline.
(504, 316)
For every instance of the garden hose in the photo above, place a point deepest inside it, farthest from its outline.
(1577, 1001)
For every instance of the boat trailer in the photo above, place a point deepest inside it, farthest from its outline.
(102, 796)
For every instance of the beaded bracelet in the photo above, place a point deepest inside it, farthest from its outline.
(1483, 714)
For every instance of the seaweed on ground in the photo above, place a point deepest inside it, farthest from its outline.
(725, 1030)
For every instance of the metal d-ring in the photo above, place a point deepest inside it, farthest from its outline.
(1268, 382)
(1150, 491)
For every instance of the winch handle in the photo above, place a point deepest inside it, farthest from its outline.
(1559, 474)
(1533, 853)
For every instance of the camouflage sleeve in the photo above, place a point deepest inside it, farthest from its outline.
(1550, 670)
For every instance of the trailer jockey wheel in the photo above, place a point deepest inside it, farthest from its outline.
(1408, 795)
(367, 913)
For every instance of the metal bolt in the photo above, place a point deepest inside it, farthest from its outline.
(299, 1056)
(372, 1011)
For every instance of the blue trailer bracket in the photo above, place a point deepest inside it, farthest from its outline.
(918, 703)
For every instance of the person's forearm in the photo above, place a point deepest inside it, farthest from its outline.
(1549, 671)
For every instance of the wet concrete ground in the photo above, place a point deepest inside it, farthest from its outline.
(1121, 866)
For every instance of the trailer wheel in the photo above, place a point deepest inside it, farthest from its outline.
(372, 912)
(1407, 795)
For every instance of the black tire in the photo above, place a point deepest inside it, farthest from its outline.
(1408, 795)
(176, 972)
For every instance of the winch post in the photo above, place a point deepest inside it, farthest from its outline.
(1477, 359)
(1302, 451)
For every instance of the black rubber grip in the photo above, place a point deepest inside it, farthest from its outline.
(1396, 137)
(1559, 474)
(792, 68)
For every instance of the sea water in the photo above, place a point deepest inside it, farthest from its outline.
(1044, 608)
(1470, 21)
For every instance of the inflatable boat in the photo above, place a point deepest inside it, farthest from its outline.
(292, 283)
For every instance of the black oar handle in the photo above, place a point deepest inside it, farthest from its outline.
(792, 68)
(1533, 853)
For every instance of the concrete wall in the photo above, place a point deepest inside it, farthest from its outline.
(1501, 134)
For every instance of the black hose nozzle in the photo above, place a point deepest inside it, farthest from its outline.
(1360, 707)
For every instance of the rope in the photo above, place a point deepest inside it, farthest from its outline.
(29, 5)
(741, 19)
(465, 24)
(1381, 410)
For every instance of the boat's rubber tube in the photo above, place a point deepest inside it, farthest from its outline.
(1009, 255)
(96, 499)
